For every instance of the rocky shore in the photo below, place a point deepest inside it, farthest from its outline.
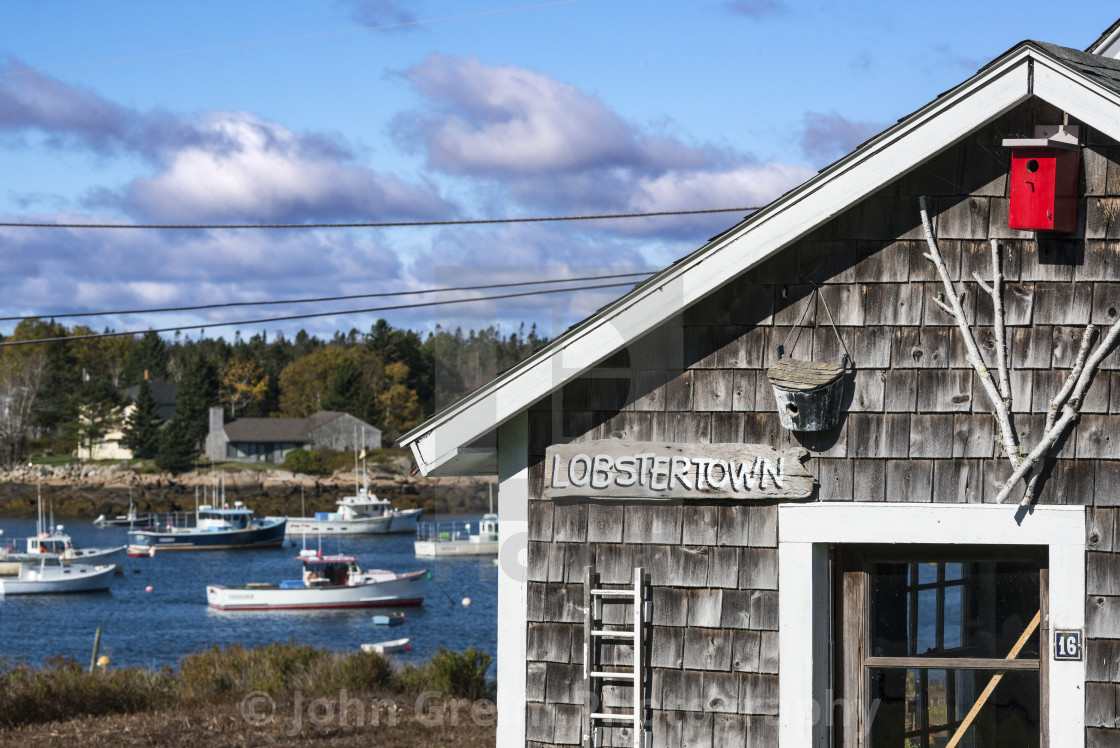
(86, 491)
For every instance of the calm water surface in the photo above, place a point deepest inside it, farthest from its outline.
(154, 628)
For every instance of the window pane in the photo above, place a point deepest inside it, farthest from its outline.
(980, 613)
(953, 631)
(926, 632)
(918, 708)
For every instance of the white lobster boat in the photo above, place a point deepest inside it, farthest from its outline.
(327, 582)
(46, 574)
(60, 544)
(437, 539)
(361, 514)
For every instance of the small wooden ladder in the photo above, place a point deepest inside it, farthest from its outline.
(594, 673)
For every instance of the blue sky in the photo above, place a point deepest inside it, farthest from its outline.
(385, 110)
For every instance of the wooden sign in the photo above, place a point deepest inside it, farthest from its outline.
(618, 469)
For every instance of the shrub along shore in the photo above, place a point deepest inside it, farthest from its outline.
(257, 696)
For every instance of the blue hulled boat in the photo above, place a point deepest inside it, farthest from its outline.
(213, 529)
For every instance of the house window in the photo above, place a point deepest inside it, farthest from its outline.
(938, 643)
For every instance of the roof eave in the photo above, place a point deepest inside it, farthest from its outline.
(997, 88)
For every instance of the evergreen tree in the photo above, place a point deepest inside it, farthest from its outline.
(97, 412)
(178, 446)
(142, 428)
(56, 405)
(149, 356)
(198, 390)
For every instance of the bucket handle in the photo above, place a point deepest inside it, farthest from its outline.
(846, 357)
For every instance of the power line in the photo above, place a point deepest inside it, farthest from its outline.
(325, 35)
(288, 318)
(274, 302)
(366, 225)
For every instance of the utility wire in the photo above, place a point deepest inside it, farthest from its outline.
(366, 225)
(229, 304)
(384, 27)
(93, 336)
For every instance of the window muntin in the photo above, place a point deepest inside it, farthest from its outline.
(964, 608)
(926, 629)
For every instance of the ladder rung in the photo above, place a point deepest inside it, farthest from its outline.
(613, 593)
(618, 717)
(605, 674)
(604, 632)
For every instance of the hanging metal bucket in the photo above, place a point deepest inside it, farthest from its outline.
(808, 393)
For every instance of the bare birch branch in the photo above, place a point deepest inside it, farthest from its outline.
(987, 289)
(999, 404)
(1000, 328)
(1056, 404)
(1070, 411)
(948, 309)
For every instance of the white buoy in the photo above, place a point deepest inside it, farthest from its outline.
(466, 602)
(149, 588)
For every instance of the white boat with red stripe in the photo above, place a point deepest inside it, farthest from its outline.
(327, 582)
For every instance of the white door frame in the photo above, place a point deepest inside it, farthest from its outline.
(805, 532)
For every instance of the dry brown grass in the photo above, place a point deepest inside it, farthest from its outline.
(224, 726)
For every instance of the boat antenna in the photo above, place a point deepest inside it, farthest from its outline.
(365, 472)
(303, 513)
(39, 496)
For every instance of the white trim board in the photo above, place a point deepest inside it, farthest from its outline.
(805, 531)
(513, 611)
(1024, 71)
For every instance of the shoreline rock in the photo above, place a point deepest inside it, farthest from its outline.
(86, 491)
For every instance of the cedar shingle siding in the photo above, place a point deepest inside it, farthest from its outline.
(916, 428)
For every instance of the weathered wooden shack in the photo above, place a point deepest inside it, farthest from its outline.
(859, 585)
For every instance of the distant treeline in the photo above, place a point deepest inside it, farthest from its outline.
(63, 395)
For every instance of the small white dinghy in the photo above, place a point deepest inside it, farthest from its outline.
(46, 574)
(396, 645)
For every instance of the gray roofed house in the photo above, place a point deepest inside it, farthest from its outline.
(270, 439)
(111, 445)
(163, 393)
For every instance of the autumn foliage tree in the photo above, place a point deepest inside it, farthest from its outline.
(311, 384)
(400, 406)
(243, 382)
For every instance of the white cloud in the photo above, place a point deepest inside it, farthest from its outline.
(505, 120)
(267, 172)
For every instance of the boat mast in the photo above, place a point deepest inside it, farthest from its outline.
(39, 498)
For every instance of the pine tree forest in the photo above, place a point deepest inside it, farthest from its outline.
(57, 397)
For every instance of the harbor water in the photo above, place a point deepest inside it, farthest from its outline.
(151, 629)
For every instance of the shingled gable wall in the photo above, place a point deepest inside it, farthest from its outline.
(916, 429)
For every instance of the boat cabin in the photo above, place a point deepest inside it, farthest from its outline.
(330, 571)
(57, 543)
(237, 518)
(363, 506)
(487, 529)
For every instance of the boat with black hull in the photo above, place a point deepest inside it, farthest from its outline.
(214, 529)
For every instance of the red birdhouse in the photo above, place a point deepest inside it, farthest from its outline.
(1044, 177)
